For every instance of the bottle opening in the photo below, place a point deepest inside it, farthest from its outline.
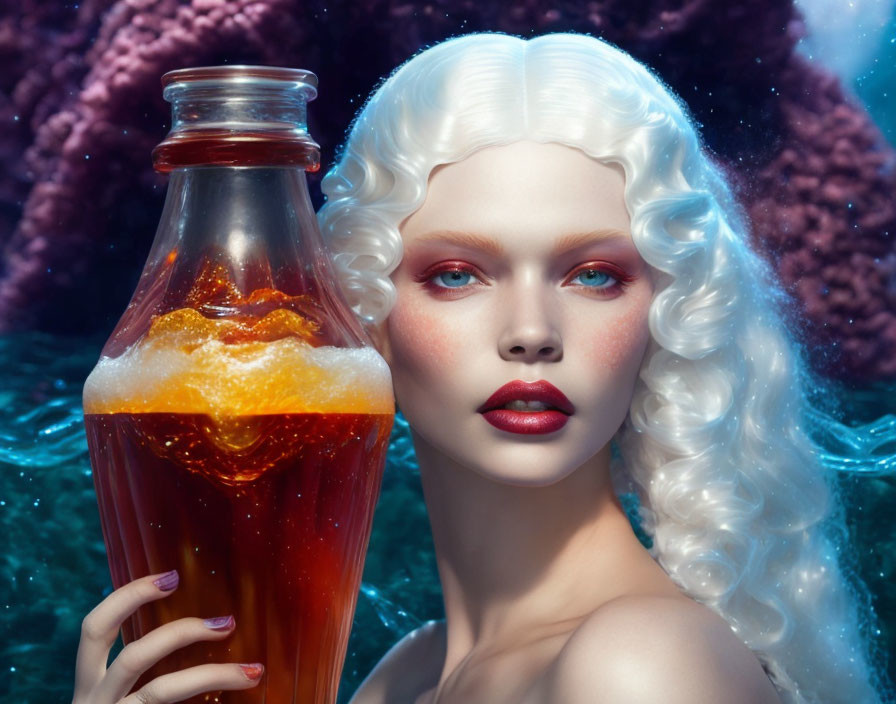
(238, 116)
(243, 73)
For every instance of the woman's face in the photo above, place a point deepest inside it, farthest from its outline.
(519, 267)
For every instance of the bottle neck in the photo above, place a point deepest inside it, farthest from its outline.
(234, 242)
(238, 215)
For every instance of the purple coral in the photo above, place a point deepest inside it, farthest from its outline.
(824, 209)
(811, 169)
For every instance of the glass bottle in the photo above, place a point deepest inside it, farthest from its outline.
(238, 417)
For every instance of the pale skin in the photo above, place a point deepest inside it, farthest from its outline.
(519, 266)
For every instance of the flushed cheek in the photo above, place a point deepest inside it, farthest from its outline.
(619, 343)
(423, 344)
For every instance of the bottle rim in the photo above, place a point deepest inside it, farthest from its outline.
(240, 73)
(238, 115)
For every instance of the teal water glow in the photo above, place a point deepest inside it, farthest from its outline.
(53, 567)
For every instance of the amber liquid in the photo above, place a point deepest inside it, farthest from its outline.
(265, 517)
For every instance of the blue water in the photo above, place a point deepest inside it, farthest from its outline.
(53, 568)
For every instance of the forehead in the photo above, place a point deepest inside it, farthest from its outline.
(523, 188)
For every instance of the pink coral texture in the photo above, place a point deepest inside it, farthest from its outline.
(81, 109)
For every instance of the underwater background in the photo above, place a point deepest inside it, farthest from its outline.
(73, 246)
(54, 568)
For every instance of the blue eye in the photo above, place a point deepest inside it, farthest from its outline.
(452, 279)
(593, 278)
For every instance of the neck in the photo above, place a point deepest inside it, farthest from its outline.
(516, 562)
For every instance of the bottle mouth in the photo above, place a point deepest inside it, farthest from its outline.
(238, 116)
(247, 75)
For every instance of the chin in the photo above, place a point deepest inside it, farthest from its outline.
(533, 477)
(542, 468)
(525, 460)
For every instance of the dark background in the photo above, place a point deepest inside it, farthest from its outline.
(802, 118)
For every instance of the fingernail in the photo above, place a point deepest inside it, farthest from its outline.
(167, 581)
(221, 623)
(253, 671)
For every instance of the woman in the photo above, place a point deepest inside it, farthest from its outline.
(550, 263)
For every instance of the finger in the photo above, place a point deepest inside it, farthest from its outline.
(137, 657)
(99, 629)
(195, 680)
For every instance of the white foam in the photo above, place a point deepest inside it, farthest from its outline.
(283, 376)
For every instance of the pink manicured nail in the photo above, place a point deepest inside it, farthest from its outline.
(253, 671)
(167, 581)
(221, 623)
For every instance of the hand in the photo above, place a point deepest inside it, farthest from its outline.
(94, 684)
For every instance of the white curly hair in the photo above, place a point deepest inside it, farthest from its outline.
(743, 515)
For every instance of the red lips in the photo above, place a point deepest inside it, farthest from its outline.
(527, 422)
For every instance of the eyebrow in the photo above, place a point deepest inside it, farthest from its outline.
(569, 242)
(564, 244)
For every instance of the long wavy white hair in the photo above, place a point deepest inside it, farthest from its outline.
(742, 514)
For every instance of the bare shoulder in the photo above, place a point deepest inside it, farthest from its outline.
(656, 648)
(411, 665)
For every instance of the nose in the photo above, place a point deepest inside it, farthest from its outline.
(531, 333)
